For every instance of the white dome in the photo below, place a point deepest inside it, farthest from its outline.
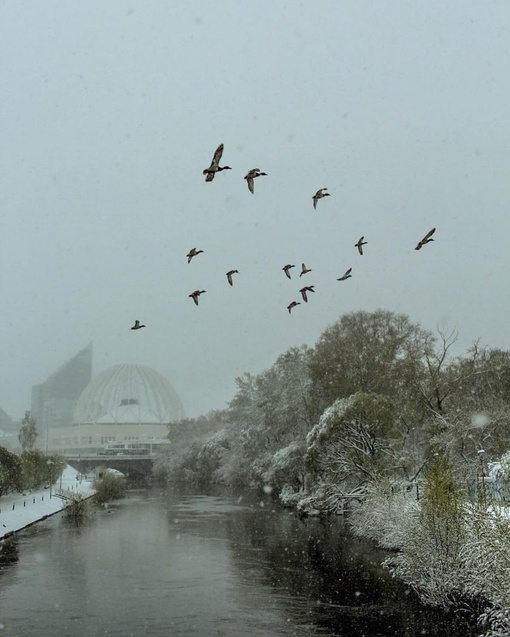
(128, 394)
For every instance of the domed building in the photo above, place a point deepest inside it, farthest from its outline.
(126, 404)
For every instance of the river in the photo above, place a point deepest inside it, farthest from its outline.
(168, 563)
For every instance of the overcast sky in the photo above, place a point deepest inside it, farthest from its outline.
(111, 110)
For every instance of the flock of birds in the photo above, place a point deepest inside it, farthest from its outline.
(250, 177)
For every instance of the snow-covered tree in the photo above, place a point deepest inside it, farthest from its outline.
(268, 413)
(350, 443)
(28, 432)
(287, 467)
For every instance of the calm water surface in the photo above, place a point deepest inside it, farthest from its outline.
(168, 563)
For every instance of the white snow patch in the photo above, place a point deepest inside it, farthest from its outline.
(18, 511)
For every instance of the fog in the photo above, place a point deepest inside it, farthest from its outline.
(111, 111)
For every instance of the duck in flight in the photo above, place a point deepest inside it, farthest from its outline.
(360, 245)
(251, 175)
(292, 305)
(307, 288)
(229, 276)
(194, 295)
(215, 165)
(193, 253)
(304, 269)
(426, 239)
(345, 276)
(319, 195)
(286, 269)
(137, 325)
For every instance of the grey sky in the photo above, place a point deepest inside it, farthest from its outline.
(111, 110)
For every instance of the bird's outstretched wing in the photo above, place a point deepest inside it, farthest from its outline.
(426, 239)
(346, 275)
(211, 171)
(428, 235)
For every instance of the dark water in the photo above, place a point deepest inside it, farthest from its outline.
(168, 564)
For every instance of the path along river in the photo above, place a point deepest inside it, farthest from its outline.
(169, 563)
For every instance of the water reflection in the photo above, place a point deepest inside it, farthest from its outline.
(330, 579)
(168, 563)
(9, 551)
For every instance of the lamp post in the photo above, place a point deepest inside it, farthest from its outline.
(50, 467)
(481, 453)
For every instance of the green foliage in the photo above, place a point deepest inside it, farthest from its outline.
(39, 469)
(34, 469)
(109, 487)
(28, 432)
(372, 352)
(11, 472)
(443, 510)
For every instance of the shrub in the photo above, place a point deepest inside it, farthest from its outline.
(11, 473)
(432, 538)
(78, 507)
(109, 487)
(382, 514)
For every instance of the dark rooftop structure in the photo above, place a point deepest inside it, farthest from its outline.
(53, 401)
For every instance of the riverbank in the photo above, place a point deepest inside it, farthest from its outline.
(19, 510)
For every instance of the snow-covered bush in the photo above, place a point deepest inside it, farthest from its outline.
(496, 621)
(430, 558)
(382, 514)
(324, 498)
(486, 559)
(108, 487)
(289, 497)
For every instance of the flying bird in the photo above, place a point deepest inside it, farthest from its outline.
(193, 253)
(360, 245)
(346, 275)
(307, 288)
(291, 305)
(286, 269)
(319, 195)
(426, 239)
(215, 165)
(229, 276)
(304, 269)
(251, 175)
(137, 325)
(194, 295)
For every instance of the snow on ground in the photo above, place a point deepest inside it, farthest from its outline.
(18, 510)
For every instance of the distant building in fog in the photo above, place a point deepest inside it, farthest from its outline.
(9, 430)
(125, 403)
(6, 422)
(53, 401)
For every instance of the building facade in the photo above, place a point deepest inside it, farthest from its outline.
(125, 403)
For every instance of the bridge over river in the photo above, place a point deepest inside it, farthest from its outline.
(136, 468)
